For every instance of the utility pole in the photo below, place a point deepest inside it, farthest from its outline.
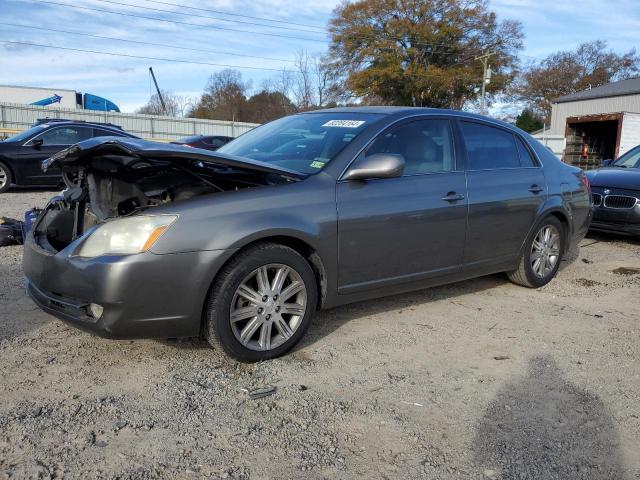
(486, 78)
(164, 107)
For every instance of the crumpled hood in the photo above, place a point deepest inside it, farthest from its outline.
(137, 149)
(615, 177)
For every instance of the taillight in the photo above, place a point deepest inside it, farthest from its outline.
(584, 180)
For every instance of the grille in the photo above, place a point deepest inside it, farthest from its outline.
(619, 201)
(597, 199)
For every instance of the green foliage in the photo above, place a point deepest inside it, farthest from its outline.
(420, 52)
(529, 121)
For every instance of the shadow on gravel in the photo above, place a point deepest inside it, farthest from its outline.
(543, 427)
(326, 321)
(611, 238)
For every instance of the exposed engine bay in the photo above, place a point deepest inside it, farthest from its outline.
(116, 180)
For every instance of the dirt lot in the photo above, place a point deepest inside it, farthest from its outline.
(481, 379)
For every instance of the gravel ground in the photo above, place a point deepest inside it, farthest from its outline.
(480, 379)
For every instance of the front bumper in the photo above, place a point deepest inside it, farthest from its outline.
(616, 220)
(143, 296)
(615, 227)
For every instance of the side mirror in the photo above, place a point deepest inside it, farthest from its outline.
(606, 163)
(37, 143)
(378, 165)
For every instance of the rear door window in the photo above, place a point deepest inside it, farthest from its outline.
(526, 160)
(489, 148)
(100, 132)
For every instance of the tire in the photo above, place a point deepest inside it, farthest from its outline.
(6, 178)
(266, 325)
(534, 274)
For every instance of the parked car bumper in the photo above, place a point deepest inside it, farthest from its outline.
(617, 220)
(142, 296)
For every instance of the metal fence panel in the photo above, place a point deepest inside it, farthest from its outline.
(16, 117)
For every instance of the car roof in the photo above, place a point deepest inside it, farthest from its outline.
(60, 121)
(409, 111)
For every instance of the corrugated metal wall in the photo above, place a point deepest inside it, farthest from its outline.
(630, 135)
(18, 117)
(561, 111)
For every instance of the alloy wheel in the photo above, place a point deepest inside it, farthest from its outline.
(268, 307)
(4, 177)
(545, 251)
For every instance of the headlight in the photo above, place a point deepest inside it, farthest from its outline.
(125, 236)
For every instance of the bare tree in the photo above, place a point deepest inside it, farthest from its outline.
(303, 89)
(172, 108)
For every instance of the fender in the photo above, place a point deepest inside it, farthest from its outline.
(554, 204)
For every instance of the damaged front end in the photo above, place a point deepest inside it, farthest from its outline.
(109, 178)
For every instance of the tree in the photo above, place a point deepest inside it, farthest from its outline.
(175, 105)
(566, 72)
(224, 97)
(529, 121)
(420, 52)
(266, 106)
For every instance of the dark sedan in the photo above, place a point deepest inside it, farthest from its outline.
(208, 142)
(616, 195)
(244, 244)
(21, 156)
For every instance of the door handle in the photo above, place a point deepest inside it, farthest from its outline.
(453, 197)
(535, 188)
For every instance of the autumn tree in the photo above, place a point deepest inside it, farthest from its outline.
(265, 106)
(592, 64)
(224, 97)
(421, 52)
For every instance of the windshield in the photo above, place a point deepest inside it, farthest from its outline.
(631, 159)
(22, 136)
(304, 143)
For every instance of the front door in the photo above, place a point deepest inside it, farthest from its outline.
(407, 228)
(32, 153)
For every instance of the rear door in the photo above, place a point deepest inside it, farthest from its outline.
(397, 230)
(506, 188)
(54, 139)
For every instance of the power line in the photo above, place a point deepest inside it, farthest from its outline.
(235, 14)
(142, 57)
(139, 42)
(177, 22)
(193, 62)
(206, 16)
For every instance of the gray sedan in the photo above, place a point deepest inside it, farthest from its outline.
(243, 245)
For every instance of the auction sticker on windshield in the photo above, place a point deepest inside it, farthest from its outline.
(344, 123)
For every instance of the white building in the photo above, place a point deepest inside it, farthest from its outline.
(595, 124)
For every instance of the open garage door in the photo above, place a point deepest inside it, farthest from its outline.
(592, 139)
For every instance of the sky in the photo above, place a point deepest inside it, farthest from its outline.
(220, 33)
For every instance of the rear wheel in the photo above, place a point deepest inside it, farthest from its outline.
(261, 303)
(5, 178)
(542, 255)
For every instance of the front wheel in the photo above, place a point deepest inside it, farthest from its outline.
(542, 255)
(261, 303)
(5, 178)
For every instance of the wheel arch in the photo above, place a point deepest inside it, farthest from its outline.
(7, 164)
(304, 248)
(557, 207)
